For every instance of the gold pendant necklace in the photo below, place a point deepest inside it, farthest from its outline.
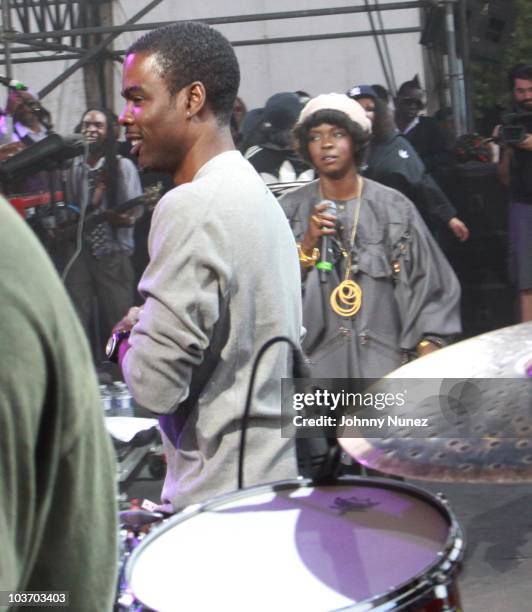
(346, 298)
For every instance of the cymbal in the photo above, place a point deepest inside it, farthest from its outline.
(473, 402)
(503, 353)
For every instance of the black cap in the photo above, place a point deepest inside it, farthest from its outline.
(282, 110)
(362, 91)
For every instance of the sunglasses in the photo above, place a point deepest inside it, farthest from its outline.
(411, 102)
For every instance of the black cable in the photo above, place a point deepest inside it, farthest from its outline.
(247, 407)
(82, 211)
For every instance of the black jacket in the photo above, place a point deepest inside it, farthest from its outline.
(394, 162)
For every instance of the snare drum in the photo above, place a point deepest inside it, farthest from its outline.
(362, 543)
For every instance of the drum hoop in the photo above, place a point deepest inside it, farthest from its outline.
(447, 563)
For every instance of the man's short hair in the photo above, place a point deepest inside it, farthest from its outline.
(359, 136)
(408, 85)
(521, 71)
(191, 51)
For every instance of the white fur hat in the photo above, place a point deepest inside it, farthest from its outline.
(338, 102)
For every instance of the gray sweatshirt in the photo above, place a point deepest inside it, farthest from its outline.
(223, 279)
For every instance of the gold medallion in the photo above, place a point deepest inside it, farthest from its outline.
(346, 299)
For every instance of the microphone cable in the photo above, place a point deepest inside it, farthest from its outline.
(82, 211)
(297, 368)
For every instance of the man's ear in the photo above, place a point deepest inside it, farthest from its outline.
(196, 98)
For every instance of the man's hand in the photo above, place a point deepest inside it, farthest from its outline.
(459, 229)
(97, 194)
(119, 220)
(8, 150)
(525, 144)
(126, 324)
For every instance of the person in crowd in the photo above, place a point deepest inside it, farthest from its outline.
(382, 93)
(303, 96)
(431, 137)
(223, 277)
(99, 264)
(25, 123)
(250, 130)
(239, 111)
(58, 509)
(238, 115)
(274, 158)
(424, 133)
(393, 162)
(515, 171)
(25, 120)
(382, 291)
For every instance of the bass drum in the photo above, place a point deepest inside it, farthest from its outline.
(361, 544)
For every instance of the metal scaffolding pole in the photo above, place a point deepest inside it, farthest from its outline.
(94, 51)
(464, 44)
(40, 46)
(130, 27)
(43, 37)
(6, 36)
(247, 43)
(456, 75)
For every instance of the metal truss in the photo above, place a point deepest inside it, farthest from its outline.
(43, 27)
(44, 30)
(44, 16)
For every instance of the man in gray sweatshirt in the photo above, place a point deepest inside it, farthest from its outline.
(223, 276)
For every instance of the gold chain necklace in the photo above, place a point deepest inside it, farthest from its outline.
(346, 298)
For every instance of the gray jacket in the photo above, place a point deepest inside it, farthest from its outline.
(408, 288)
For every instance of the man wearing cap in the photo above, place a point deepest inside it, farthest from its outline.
(274, 159)
(382, 290)
(393, 161)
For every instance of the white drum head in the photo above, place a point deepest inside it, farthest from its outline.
(292, 548)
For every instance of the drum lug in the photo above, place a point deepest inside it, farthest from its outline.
(442, 498)
(441, 592)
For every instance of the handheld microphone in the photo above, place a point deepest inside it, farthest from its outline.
(325, 265)
(12, 84)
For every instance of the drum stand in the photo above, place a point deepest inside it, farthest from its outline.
(135, 446)
(134, 526)
(144, 449)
